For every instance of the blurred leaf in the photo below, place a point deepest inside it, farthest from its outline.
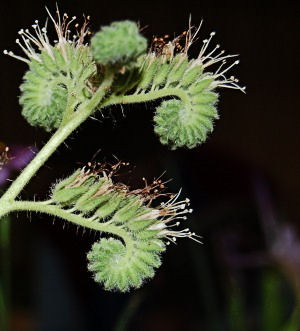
(236, 310)
(294, 323)
(129, 310)
(272, 312)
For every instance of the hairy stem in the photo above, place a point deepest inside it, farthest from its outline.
(83, 112)
(5, 276)
(144, 97)
(11, 206)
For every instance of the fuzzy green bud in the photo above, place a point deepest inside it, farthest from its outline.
(119, 43)
(178, 124)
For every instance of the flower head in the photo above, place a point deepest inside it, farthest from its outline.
(206, 58)
(54, 69)
(129, 214)
(188, 118)
(133, 206)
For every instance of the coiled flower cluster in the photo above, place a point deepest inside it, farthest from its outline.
(58, 73)
(142, 230)
(62, 76)
(186, 120)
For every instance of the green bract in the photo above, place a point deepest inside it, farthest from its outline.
(118, 43)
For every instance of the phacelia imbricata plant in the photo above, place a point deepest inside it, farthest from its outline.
(69, 80)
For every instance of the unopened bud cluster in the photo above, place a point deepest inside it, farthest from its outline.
(119, 43)
(65, 74)
(144, 229)
(55, 71)
(186, 120)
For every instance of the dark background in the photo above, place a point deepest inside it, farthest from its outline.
(243, 182)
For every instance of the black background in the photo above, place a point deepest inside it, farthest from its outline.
(255, 140)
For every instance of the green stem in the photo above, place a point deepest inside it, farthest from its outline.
(10, 206)
(130, 309)
(144, 97)
(84, 111)
(5, 268)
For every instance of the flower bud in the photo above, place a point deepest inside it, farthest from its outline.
(119, 43)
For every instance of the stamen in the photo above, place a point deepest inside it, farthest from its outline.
(39, 39)
(16, 56)
(233, 64)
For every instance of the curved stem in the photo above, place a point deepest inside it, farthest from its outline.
(53, 210)
(143, 97)
(59, 137)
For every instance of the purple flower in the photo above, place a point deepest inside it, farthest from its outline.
(13, 159)
(286, 251)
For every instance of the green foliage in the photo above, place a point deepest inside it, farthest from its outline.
(119, 43)
(272, 310)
